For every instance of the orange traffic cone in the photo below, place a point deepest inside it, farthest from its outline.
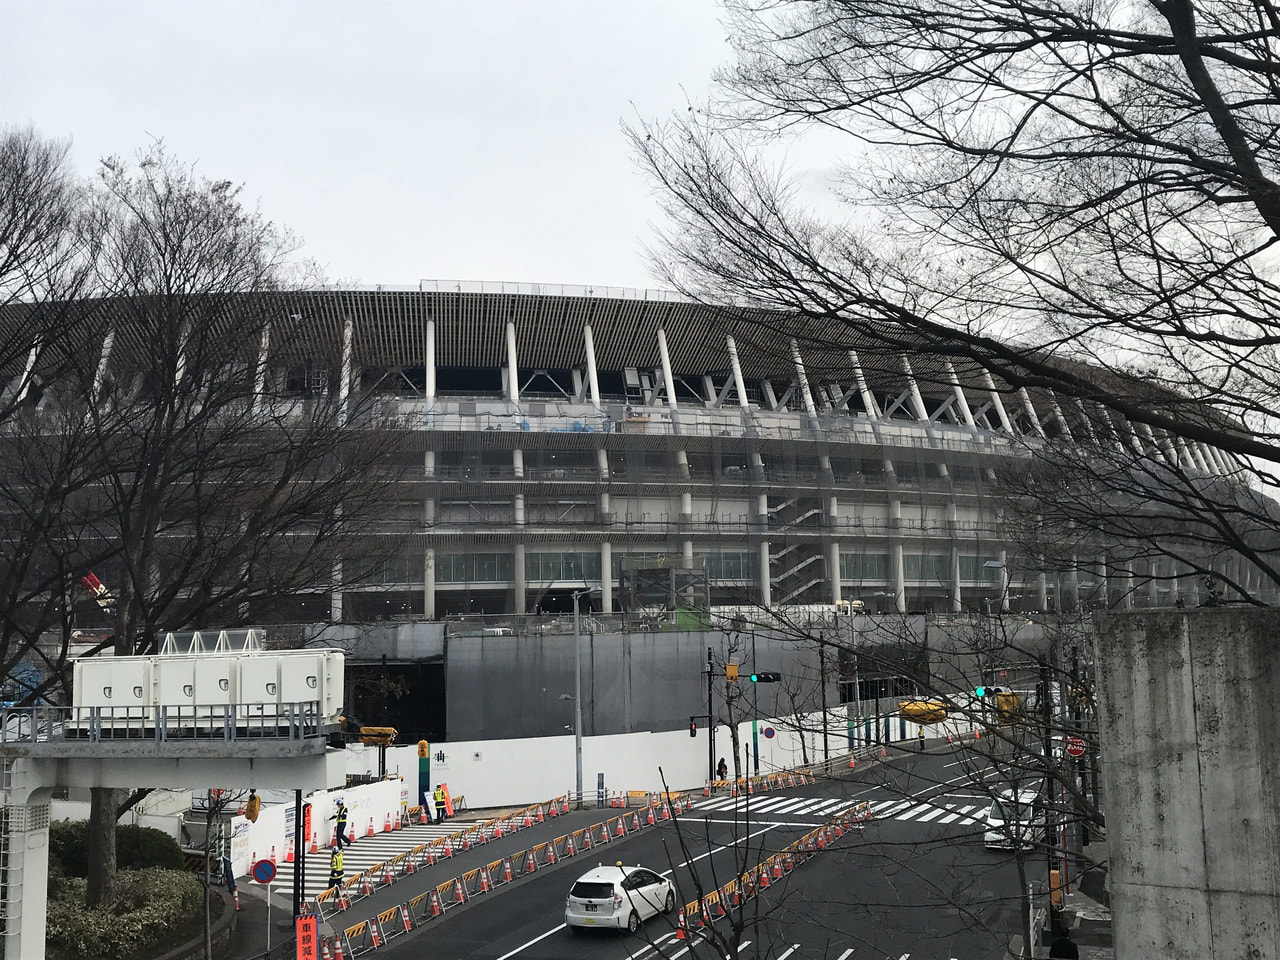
(528, 819)
(852, 762)
(435, 909)
(422, 816)
(977, 734)
(564, 804)
(324, 950)
(586, 838)
(622, 830)
(459, 894)
(404, 918)
(386, 826)
(506, 870)
(315, 843)
(551, 853)
(680, 928)
(884, 752)
(530, 863)
(375, 935)
(447, 849)
(635, 820)
(552, 809)
(569, 849)
(666, 811)
(337, 949)
(706, 788)
(484, 880)
(650, 819)
(369, 832)
(398, 825)
(288, 852)
(540, 818)
(777, 869)
(273, 855)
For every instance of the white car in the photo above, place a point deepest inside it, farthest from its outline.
(617, 897)
(1013, 819)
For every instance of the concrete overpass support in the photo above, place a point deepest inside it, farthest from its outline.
(1189, 708)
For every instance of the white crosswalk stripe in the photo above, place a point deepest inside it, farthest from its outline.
(366, 852)
(938, 810)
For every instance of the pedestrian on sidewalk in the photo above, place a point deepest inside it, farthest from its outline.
(341, 833)
(439, 799)
(335, 868)
(922, 738)
(722, 770)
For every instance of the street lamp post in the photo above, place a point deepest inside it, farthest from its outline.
(577, 691)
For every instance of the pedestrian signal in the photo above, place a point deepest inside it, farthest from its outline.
(693, 727)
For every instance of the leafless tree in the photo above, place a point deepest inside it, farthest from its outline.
(1079, 198)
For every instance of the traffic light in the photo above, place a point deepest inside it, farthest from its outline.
(693, 727)
(765, 676)
(980, 692)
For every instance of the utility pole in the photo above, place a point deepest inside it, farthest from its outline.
(711, 721)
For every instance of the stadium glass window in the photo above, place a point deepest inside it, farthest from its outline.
(928, 569)
(473, 567)
(551, 567)
(730, 564)
(976, 569)
(864, 566)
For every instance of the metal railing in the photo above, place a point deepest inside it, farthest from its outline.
(25, 726)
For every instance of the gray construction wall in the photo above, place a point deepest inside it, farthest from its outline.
(504, 687)
(1190, 708)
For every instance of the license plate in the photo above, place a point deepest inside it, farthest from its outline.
(589, 920)
(591, 908)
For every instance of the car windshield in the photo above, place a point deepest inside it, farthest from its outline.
(588, 890)
(1009, 810)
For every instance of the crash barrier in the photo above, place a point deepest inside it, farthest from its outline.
(370, 934)
(717, 903)
(762, 783)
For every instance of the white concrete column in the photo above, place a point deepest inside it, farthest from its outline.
(913, 392)
(802, 378)
(897, 570)
(344, 383)
(682, 464)
(606, 576)
(954, 564)
(686, 506)
(962, 401)
(517, 463)
(521, 584)
(27, 866)
(602, 462)
(686, 554)
(1029, 409)
(259, 376)
(335, 594)
(766, 586)
(739, 384)
(1042, 593)
(517, 508)
(429, 583)
(668, 378)
(997, 402)
(429, 463)
(593, 378)
(429, 365)
(868, 398)
(833, 570)
(513, 365)
(1004, 581)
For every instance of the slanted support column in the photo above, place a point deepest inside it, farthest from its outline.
(593, 378)
(962, 401)
(513, 365)
(1030, 410)
(521, 584)
(344, 385)
(335, 594)
(997, 403)
(868, 398)
(606, 576)
(668, 378)
(739, 384)
(954, 565)
(802, 378)
(259, 376)
(898, 571)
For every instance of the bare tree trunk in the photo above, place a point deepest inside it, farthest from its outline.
(100, 887)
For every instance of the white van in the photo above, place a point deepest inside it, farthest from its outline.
(1013, 820)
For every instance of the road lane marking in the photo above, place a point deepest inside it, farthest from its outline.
(845, 956)
(526, 946)
(787, 953)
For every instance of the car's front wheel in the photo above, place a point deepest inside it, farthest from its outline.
(671, 902)
(633, 922)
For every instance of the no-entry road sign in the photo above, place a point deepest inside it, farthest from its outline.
(1075, 747)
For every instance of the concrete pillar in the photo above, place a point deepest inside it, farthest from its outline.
(593, 379)
(517, 508)
(513, 365)
(739, 383)
(898, 572)
(27, 868)
(766, 586)
(868, 398)
(686, 507)
(1004, 581)
(954, 565)
(803, 379)
(335, 595)
(517, 463)
(521, 584)
(962, 401)
(429, 584)
(682, 464)
(686, 554)
(429, 364)
(833, 571)
(606, 576)
(668, 378)
(344, 380)
(602, 462)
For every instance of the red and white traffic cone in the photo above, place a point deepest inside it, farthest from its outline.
(324, 950)
(272, 858)
(651, 820)
(422, 816)
(706, 788)
(551, 853)
(622, 830)
(459, 893)
(540, 818)
(569, 849)
(375, 935)
(404, 917)
(369, 832)
(397, 825)
(681, 933)
(530, 862)
(386, 825)
(528, 818)
(337, 949)
(506, 870)
(635, 820)
(288, 852)
(564, 805)
(447, 849)
(485, 885)
(552, 808)
(435, 909)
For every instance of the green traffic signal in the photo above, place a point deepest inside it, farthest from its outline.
(765, 677)
(980, 692)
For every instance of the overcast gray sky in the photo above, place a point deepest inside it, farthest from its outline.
(471, 140)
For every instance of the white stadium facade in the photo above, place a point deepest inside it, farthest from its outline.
(568, 435)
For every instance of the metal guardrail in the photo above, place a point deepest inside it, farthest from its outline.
(21, 726)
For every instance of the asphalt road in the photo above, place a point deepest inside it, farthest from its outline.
(914, 882)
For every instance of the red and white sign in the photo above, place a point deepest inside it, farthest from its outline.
(1075, 747)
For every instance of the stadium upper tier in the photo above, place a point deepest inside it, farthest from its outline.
(565, 439)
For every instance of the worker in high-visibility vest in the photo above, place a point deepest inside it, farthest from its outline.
(438, 796)
(335, 868)
(340, 834)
